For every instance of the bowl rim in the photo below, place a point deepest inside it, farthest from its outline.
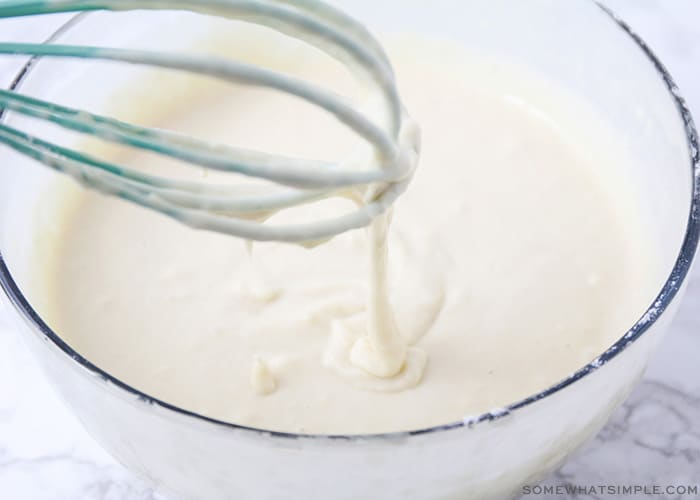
(668, 292)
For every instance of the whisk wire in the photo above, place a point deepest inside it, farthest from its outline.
(238, 210)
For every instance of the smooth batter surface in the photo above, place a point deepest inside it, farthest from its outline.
(511, 264)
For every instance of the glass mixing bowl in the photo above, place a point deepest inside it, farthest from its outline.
(576, 43)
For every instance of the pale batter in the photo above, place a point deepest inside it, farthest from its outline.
(511, 263)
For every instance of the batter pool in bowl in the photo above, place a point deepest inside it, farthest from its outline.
(549, 208)
(516, 255)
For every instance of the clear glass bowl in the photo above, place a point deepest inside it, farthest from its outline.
(488, 456)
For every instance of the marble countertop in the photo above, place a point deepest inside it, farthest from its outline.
(654, 438)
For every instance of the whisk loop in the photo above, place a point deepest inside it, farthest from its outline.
(235, 210)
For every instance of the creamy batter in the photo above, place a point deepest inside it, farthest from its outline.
(514, 259)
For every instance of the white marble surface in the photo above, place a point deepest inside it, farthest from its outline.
(653, 439)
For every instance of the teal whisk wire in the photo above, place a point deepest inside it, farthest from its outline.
(235, 210)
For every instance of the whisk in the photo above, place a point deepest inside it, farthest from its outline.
(236, 210)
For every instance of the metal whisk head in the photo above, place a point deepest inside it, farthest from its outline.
(234, 210)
